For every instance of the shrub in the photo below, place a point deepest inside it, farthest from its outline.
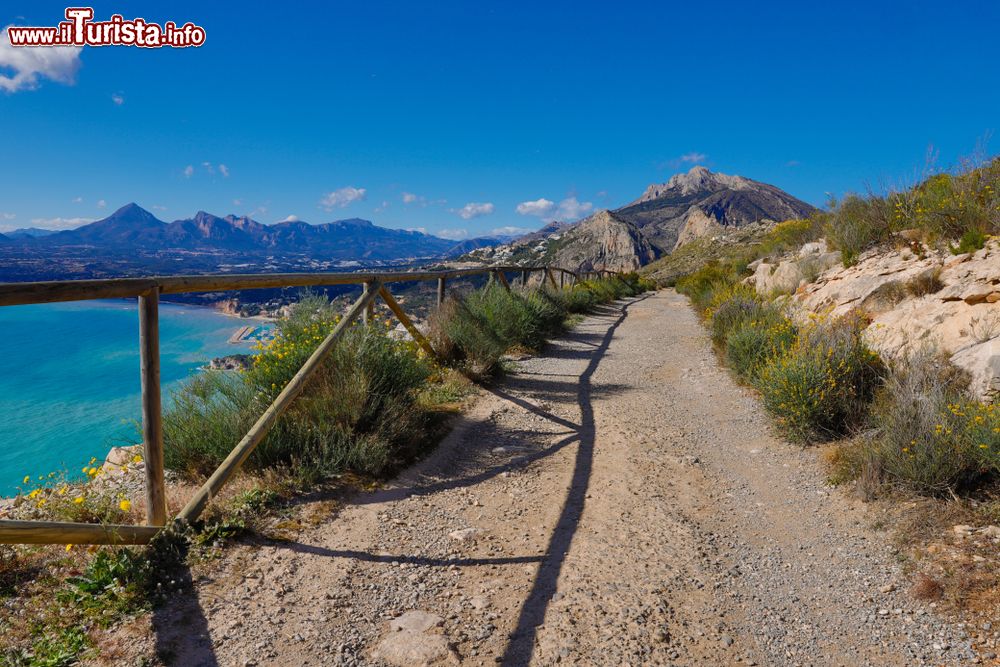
(821, 386)
(752, 344)
(971, 241)
(924, 435)
(357, 413)
(734, 306)
(858, 223)
(701, 285)
(475, 332)
(790, 235)
(927, 282)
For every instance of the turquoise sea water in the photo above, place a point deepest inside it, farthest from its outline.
(69, 377)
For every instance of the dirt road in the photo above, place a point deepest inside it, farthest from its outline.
(617, 501)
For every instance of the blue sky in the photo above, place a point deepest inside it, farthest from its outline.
(446, 116)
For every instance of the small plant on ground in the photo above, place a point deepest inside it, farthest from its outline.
(928, 282)
(985, 326)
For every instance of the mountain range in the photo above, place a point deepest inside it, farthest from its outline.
(134, 229)
(133, 241)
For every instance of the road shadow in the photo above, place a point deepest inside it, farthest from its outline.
(179, 623)
(522, 639)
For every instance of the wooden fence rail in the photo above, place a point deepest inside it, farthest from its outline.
(148, 291)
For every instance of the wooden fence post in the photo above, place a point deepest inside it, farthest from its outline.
(401, 315)
(503, 279)
(369, 313)
(552, 278)
(440, 291)
(524, 277)
(562, 279)
(152, 417)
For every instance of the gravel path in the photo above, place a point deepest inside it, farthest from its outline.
(617, 501)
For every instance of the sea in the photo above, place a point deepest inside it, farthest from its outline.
(69, 377)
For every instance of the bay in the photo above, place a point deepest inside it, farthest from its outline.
(69, 377)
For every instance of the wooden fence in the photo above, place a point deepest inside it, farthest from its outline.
(148, 291)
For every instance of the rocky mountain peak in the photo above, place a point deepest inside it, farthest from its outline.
(697, 180)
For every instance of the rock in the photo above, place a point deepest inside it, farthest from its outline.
(415, 621)
(407, 648)
(813, 248)
(962, 530)
(232, 362)
(697, 225)
(990, 531)
(465, 534)
(783, 278)
(120, 456)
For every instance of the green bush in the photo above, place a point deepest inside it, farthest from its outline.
(475, 332)
(733, 306)
(791, 235)
(925, 435)
(701, 285)
(752, 344)
(971, 241)
(357, 413)
(821, 387)
(858, 223)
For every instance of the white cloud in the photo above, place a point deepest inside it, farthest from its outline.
(8, 216)
(118, 99)
(381, 207)
(509, 230)
(224, 170)
(342, 197)
(409, 198)
(158, 207)
(568, 209)
(422, 230)
(539, 207)
(237, 202)
(208, 167)
(571, 209)
(694, 157)
(24, 66)
(290, 218)
(453, 234)
(60, 223)
(188, 171)
(77, 200)
(474, 210)
(101, 203)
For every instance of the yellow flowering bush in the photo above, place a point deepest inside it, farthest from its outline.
(925, 434)
(821, 386)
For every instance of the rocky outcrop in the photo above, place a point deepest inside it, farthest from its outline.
(696, 226)
(664, 210)
(232, 362)
(932, 298)
(603, 241)
(788, 275)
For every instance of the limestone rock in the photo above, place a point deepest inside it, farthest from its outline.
(415, 621)
(413, 649)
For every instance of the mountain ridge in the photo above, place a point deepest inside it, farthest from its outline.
(133, 227)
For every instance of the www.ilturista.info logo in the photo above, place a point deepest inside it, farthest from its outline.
(79, 29)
